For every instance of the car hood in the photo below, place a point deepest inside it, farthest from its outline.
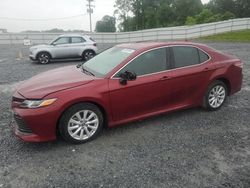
(52, 81)
(40, 46)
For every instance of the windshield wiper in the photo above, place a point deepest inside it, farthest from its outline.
(87, 72)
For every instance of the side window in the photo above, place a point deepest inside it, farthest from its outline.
(203, 56)
(185, 56)
(147, 63)
(62, 40)
(77, 40)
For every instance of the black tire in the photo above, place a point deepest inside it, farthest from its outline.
(44, 57)
(206, 101)
(64, 123)
(88, 54)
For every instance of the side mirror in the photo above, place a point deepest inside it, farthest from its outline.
(127, 76)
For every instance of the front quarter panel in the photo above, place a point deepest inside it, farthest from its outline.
(42, 49)
(95, 92)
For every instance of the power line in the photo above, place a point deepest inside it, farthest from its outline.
(45, 19)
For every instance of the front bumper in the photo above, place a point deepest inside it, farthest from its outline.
(32, 132)
(32, 57)
(34, 125)
(28, 137)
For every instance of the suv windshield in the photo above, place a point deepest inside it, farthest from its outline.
(105, 62)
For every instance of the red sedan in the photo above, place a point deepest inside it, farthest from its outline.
(125, 83)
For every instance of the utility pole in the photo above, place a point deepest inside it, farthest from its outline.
(90, 11)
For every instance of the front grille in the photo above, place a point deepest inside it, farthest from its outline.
(17, 100)
(21, 125)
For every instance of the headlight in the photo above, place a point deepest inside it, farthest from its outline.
(37, 103)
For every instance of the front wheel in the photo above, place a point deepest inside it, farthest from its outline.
(81, 123)
(215, 96)
(43, 58)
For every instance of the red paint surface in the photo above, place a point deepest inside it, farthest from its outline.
(144, 97)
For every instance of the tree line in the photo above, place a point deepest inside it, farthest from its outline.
(135, 15)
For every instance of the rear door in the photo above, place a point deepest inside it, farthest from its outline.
(190, 74)
(149, 93)
(77, 46)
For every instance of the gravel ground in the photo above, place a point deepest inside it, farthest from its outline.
(189, 148)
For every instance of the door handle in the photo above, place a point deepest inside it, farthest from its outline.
(164, 78)
(207, 69)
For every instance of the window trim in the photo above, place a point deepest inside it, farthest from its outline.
(63, 43)
(167, 58)
(82, 40)
(171, 63)
(173, 56)
(200, 55)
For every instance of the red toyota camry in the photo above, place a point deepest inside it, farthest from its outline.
(125, 83)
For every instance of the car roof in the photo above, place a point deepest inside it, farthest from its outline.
(150, 45)
(74, 35)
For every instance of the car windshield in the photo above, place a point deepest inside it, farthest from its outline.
(105, 62)
(52, 41)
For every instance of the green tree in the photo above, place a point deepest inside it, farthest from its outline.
(185, 8)
(107, 24)
(204, 17)
(240, 8)
(207, 16)
(190, 21)
(221, 6)
(123, 14)
(146, 14)
(228, 15)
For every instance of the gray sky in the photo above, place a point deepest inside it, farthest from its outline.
(46, 9)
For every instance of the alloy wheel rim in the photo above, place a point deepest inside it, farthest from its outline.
(88, 55)
(216, 96)
(83, 125)
(44, 58)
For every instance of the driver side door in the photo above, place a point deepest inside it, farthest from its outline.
(149, 93)
(61, 47)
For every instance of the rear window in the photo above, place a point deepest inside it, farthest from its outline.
(77, 40)
(203, 56)
(185, 56)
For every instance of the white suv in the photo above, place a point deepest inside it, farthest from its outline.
(64, 47)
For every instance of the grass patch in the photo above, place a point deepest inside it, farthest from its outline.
(235, 36)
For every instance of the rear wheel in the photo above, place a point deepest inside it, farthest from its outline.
(215, 96)
(88, 54)
(43, 58)
(81, 123)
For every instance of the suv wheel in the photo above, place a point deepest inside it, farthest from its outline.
(43, 58)
(88, 54)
